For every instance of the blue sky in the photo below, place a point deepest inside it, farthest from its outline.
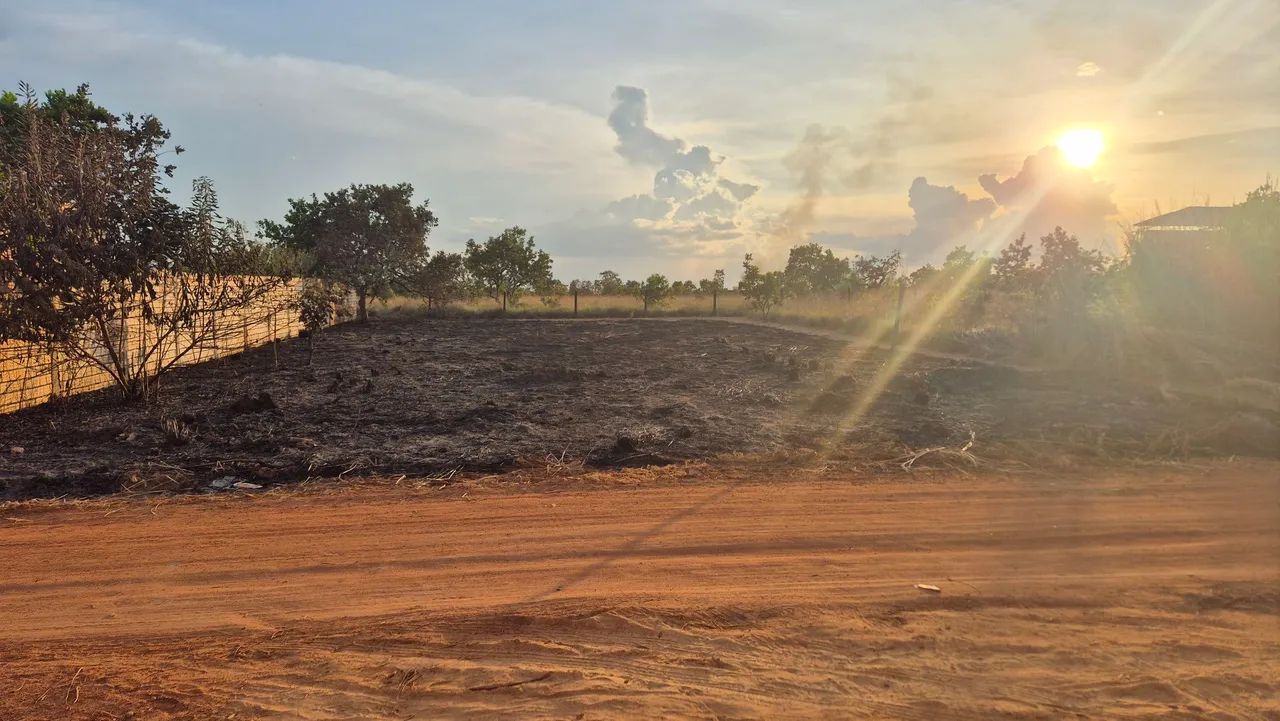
(736, 127)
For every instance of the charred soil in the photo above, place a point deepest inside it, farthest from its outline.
(434, 397)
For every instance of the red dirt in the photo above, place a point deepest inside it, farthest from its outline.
(1150, 594)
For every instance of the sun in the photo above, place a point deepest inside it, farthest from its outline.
(1081, 146)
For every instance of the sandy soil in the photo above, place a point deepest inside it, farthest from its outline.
(425, 397)
(685, 592)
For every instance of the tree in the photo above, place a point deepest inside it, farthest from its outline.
(653, 291)
(320, 303)
(713, 286)
(1067, 278)
(507, 265)
(683, 287)
(550, 291)
(876, 272)
(94, 262)
(814, 269)
(1012, 267)
(439, 279)
(922, 276)
(610, 283)
(1214, 280)
(367, 236)
(959, 258)
(583, 287)
(83, 218)
(764, 291)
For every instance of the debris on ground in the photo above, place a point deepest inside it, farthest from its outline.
(484, 394)
(253, 404)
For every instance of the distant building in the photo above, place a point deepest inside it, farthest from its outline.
(1197, 225)
(1190, 219)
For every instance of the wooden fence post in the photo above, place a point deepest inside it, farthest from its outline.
(575, 301)
(897, 316)
(55, 382)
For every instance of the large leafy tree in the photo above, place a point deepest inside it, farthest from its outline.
(507, 265)
(812, 268)
(366, 236)
(94, 261)
(83, 217)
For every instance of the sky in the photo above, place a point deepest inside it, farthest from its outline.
(675, 136)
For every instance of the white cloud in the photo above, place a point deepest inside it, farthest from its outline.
(1088, 69)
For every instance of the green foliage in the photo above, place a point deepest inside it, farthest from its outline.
(83, 218)
(712, 285)
(1012, 268)
(765, 292)
(654, 290)
(320, 303)
(874, 271)
(439, 279)
(550, 290)
(922, 276)
(89, 245)
(1067, 275)
(609, 283)
(507, 265)
(813, 269)
(1213, 281)
(366, 236)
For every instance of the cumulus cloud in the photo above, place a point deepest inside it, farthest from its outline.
(646, 207)
(1047, 192)
(943, 216)
(690, 208)
(629, 120)
(1088, 69)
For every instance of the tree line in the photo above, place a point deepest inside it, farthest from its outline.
(89, 237)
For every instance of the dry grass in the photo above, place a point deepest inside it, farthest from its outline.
(588, 305)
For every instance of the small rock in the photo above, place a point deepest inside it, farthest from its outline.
(245, 485)
(16, 450)
(223, 482)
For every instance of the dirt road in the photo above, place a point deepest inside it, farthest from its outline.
(1143, 595)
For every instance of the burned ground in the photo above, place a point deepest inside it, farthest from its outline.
(427, 397)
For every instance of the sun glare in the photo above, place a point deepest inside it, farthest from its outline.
(1081, 146)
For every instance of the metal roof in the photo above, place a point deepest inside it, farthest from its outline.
(1195, 216)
